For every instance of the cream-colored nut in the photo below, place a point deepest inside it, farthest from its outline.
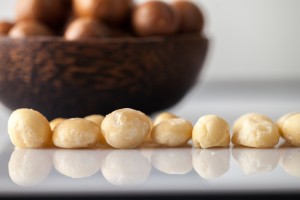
(173, 132)
(76, 163)
(28, 128)
(253, 161)
(172, 161)
(282, 119)
(95, 118)
(257, 133)
(237, 125)
(164, 116)
(148, 139)
(55, 122)
(76, 133)
(29, 167)
(98, 119)
(126, 168)
(125, 128)
(291, 129)
(211, 163)
(211, 131)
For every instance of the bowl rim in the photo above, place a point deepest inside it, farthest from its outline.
(188, 37)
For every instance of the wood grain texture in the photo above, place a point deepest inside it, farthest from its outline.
(76, 79)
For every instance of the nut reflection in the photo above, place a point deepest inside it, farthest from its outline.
(254, 161)
(77, 163)
(126, 167)
(211, 163)
(291, 162)
(29, 167)
(172, 161)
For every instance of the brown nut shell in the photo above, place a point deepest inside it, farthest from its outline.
(49, 12)
(29, 29)
(86, 28)
(154, 18)
(5, 27)
(191, 16)
(110, 11)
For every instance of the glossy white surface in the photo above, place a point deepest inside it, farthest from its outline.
(155, 170)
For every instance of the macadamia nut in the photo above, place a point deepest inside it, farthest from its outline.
(282, 119)
(173, 132)
(257, 132)
(98, 119)
(55, 122)
(110, 11)
(291, 129)
(82, 28)
(191, 17)
(237, 125)
(155, 18)
(125, 128)
(211, 131)
(76, 133)
(30, 28)
(28, 128)
(5, 27)
(163, 117)
(50, 12)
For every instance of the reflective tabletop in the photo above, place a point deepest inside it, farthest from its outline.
(152, 169)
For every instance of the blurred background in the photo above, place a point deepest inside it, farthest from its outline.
(250, 39)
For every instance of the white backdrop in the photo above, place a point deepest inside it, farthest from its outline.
(250, 39)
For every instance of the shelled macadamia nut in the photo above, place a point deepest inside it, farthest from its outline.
(173, 132)
(211, 131)
(148, 139)
(31, 28)
(282, 119)
(256, 132)
(5, 27)
(55, 122)
(190, 15)
(76, 133)
(291, 129)
(154, 18)
(237, 125)
(110, 11)
(28, 128)
(98, 119)
(82, 28)
(164, 116)
(125, 128)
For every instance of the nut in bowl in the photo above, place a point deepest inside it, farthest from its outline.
(67, 78)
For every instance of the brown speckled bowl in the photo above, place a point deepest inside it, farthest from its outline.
(96, 76)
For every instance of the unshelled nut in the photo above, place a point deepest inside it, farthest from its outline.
(155, 18)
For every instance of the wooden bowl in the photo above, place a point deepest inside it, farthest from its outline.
(73, 79)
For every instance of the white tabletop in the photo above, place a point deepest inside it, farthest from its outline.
(155, 170)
